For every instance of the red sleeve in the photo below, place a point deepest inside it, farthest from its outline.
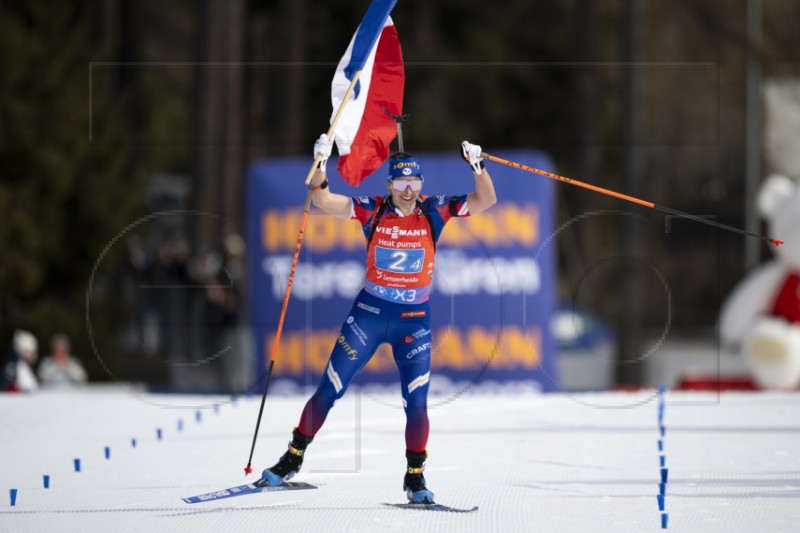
(364, 208)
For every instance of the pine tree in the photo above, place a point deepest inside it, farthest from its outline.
(63, 195)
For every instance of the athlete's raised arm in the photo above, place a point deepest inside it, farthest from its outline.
(334, 204)
(484, 196)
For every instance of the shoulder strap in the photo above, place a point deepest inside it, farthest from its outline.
(453, 206)
(430, 222)
(376, 219)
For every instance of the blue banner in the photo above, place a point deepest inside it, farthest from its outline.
(493, 289)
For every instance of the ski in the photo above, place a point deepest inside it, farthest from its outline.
(250, 488)
(430, 507)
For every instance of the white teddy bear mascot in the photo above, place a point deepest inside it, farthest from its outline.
(761, 317)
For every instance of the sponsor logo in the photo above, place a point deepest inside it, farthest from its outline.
(352, 353)
(379, 290)
(418, 350)
(409, 339)
(350, 319)
(421, 333)
(362, 337)
(407, 171)
(213, 495)
(405, 164)
(440, 199)
(363, 199)
(392, 244)
(396, 231)
(412, 314)
(396, 279)
(369, 308)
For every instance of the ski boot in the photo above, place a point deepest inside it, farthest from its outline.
(289, 464)
(414, 481)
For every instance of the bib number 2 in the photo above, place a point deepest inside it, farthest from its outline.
(399, 261)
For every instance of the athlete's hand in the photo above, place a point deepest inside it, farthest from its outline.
(472, 155)
(323, 147)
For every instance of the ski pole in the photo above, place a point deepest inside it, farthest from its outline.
(372, 24)
(248, 469)
(627, 198)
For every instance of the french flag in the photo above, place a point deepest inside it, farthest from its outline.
(365, 131)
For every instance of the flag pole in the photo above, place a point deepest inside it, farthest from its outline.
(307, 206)
(398, 119)
(334, 123)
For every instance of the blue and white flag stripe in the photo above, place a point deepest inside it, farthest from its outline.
(363, 44)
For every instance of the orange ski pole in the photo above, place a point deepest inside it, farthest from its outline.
(627, 198)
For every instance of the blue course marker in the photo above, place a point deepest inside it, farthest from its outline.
(12, 493)
(77, 463)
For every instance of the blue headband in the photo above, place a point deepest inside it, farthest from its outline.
(404, 167)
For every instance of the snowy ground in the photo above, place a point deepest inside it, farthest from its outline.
(561, 463)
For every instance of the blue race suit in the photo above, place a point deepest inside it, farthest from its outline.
(387, 314)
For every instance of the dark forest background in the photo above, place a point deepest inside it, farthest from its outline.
(102, 101)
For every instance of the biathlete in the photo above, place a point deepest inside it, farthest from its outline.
(401, 230)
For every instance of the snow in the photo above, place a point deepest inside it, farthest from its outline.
(558, 462)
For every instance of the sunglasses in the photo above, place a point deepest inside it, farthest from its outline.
(398, 185)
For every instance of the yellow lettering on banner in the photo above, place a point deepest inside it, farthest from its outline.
(484, 230)
(478, 346)
(522, 224)
(323, 233)
(505, 224)
(452, 349)
(486, 345)
(523, 349)
(453, 234)
(279, 229)
(290, 355)
(322, 343)
(448, 349)
(351, 234)
(382, 361)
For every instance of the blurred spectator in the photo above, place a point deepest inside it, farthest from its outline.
(17, 372)
(134, 272)
(8, 374)
(187, 307)
(61, 369)
(216, 311)
(27, 349)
